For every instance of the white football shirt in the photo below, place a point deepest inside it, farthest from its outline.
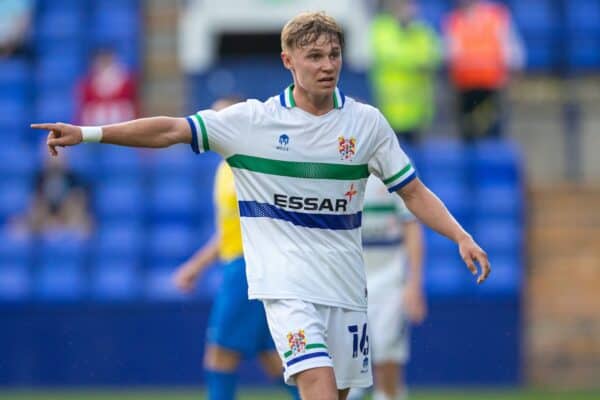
(384, 215)
(300, 181)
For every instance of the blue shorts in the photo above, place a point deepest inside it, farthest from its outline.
(236, 323)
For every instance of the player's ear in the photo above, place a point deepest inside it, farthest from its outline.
(287, 60)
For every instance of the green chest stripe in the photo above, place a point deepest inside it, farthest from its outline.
(380, 209)
(297, 169)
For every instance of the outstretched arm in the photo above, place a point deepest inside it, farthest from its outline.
(414, 298)
(187, 274)
(428, 208)
(144, 132)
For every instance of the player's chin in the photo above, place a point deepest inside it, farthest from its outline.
(325, 87)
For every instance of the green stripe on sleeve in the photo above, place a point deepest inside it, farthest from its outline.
(396, 176)
(297, 169)
(308, 347)
(203, 130)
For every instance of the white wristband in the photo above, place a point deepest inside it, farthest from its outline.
(91, 134)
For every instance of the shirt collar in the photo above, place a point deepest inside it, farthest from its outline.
(286, 98)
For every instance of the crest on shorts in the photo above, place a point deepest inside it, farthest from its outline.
(347, 147)
(297, 341)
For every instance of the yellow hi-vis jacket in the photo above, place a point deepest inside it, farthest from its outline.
(403, 72)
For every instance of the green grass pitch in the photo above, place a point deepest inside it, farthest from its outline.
(251, 394)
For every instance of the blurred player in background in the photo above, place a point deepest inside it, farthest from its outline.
(483, 48)
(301, 160)
(406, 54)
(393, 252)
(237, 326)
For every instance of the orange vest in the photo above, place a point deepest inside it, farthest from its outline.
(476, 46)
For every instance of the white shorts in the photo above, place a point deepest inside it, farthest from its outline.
(388, 325)
(309, 335)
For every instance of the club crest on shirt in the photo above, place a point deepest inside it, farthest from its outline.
(347, 147)
(297, 341)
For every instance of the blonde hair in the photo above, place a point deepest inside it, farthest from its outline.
(307, 28)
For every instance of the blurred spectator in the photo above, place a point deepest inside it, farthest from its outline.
(108, 93)
(15, 21)
(483, 47)
(60, 202)
(406, 54)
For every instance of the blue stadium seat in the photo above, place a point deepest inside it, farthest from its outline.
(60, 281)
(541, 53)
(170, 244)
(48, 109)
(499, 201)
(15, 247)
(115, 280)
(15, 116)
(583, 17)
(15, 282)
(438, 245)
(443, 159)
(506, 278)
(59, 23)
(176, 161)
(433, 12)
(537, 18)
(63, 245)
(59, 71)
(119, 240)
(115, 23)
(19, 162)
(583, 52)
(445, 276)
(120, 199)
(15, 198)
(120, 162)
(15, 75)
(52, 5)
(176, 199)
(496, 161)
(158, 284)
(456, 196)
(83, 161)
(499, 236)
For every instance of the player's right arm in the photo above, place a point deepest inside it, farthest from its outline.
(187, 274)
(145, 132)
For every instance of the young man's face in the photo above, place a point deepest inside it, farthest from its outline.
(316, 67)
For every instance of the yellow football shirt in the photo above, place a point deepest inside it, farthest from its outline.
(228, 216)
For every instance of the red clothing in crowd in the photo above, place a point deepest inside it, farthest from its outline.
(107, 95)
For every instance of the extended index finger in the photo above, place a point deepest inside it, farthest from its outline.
(46, 126)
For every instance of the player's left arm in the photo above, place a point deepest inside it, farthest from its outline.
(429, 209)
(414, 298)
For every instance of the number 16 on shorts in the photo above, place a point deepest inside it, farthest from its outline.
(360, 343)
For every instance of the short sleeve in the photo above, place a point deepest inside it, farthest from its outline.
(219, 131)
(389, 162)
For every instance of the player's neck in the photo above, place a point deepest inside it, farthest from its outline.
(313, 104)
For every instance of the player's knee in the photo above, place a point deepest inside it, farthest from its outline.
(317, 384)
(220, 359)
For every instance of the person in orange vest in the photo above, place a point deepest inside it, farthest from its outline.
(482, 48)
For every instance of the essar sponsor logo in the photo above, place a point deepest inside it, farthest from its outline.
(310, 203)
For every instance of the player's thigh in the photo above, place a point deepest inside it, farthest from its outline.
(299, 332)
(317, 383)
